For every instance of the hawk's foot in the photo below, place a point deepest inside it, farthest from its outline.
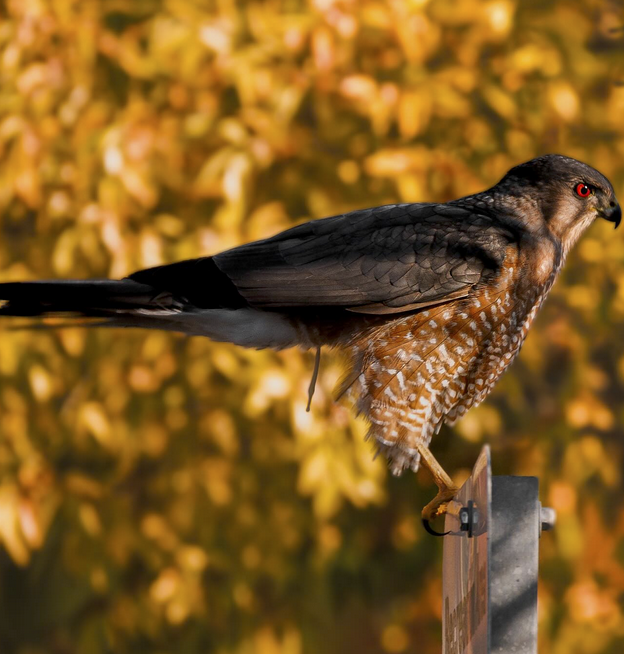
(438, 507)
(446, 490)
(439, 504)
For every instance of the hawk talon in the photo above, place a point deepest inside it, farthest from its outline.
(430, 530)
(438, 507)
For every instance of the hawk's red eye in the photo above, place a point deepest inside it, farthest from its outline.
(583, 190)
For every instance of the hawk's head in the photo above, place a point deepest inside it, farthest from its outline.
(568, 193)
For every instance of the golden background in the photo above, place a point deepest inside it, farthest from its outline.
(169, 495)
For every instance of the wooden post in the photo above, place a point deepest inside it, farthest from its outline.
(490, 566)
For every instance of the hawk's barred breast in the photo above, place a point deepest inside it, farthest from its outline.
(429, 368)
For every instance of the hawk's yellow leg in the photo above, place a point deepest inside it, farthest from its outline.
(446, 488)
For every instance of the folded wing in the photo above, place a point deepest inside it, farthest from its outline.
(387, 259)
(382, 260)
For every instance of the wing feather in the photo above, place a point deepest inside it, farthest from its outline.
(383, 260)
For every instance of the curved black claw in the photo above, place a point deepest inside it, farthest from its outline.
(430, 530)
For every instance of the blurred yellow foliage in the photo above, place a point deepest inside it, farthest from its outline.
(164, 494)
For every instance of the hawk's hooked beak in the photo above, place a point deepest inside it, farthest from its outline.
(613, 214)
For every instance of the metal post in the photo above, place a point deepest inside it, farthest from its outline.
(514, 537)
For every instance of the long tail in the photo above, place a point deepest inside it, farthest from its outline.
(91, 298)
(181, 286)
(193, 297)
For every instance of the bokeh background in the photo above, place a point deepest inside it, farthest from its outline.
(165, 494)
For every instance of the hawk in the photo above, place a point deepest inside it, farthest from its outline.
(431, 301)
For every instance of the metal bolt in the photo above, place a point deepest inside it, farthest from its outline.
(468, 518)
(548, 518)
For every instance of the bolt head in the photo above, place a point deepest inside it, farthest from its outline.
(548, 518)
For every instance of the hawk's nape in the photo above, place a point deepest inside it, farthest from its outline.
(432, 301)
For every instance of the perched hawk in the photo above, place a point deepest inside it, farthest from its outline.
(431, 301)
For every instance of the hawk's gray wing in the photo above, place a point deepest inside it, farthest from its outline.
(383, 260)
